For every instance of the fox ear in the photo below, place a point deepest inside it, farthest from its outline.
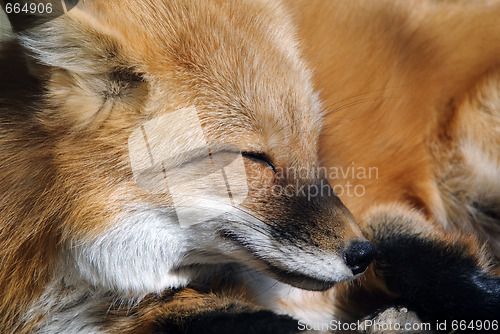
(86, 65)
(77, 42)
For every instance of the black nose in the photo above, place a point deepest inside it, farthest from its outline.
(358, 256)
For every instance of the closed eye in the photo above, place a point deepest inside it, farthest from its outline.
(260, 158)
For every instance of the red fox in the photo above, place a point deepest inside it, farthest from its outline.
(111, 225)
(148, 144)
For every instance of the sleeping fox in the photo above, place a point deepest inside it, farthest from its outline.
(153, 155)
(149, 144)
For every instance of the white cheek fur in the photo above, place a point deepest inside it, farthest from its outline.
(137, 256)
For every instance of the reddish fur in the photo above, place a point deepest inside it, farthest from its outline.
(403, 83)
(428, 67)
(393, 77)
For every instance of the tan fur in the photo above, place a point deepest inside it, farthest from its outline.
(402, 83)
(397, 79)
(412, 89)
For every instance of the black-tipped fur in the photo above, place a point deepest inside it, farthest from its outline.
(438, 278)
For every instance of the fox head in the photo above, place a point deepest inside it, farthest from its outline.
(177, 134)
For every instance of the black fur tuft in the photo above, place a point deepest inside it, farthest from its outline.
(438, 279)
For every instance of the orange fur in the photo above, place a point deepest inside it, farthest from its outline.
(395, 78)
(410, 88)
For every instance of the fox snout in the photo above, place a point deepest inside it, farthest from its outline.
(307, 239)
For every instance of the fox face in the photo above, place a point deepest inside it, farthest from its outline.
(165, 138)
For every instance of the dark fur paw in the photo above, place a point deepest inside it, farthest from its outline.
(440, 277)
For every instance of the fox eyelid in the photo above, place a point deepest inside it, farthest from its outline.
(261, 158)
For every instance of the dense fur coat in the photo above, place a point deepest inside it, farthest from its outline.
(410, 88)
